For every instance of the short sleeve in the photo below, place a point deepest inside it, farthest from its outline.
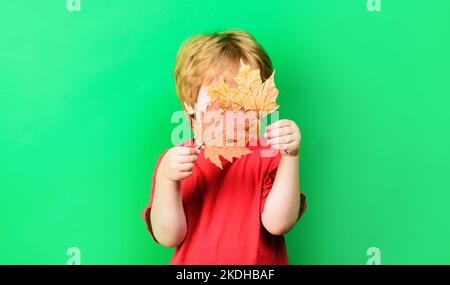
(145, 214)
(268, 180)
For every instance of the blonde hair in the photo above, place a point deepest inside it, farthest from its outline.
(200, 59)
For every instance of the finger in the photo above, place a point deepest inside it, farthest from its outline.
(279, 124)
(286, 147)
(182, 175)
(280, 140)
(184, 150)
(278, 132)
(186, 166)
(281, 147)
(185, 174)
(188, 158)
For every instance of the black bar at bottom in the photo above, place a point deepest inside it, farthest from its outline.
(225, 274)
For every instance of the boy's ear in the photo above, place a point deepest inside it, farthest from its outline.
(188, 108)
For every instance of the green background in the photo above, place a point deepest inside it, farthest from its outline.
(86, 99)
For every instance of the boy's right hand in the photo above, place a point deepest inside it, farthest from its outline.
(178, 162)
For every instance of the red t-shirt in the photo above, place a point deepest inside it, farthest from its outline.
(223, 211)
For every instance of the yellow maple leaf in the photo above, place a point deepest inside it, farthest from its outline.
(213, 152)
(227, 96)
(250, 101)
(250, 94)
(219, 136)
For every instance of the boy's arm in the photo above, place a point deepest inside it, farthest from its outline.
(167, 215)
(282, 205)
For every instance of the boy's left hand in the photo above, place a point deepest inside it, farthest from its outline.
(284, 135)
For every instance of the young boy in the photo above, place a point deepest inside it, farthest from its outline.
(234, 215)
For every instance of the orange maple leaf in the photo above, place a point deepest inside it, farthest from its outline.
(219, 135)
(233, 115)
(213, 152)
(250, 94)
